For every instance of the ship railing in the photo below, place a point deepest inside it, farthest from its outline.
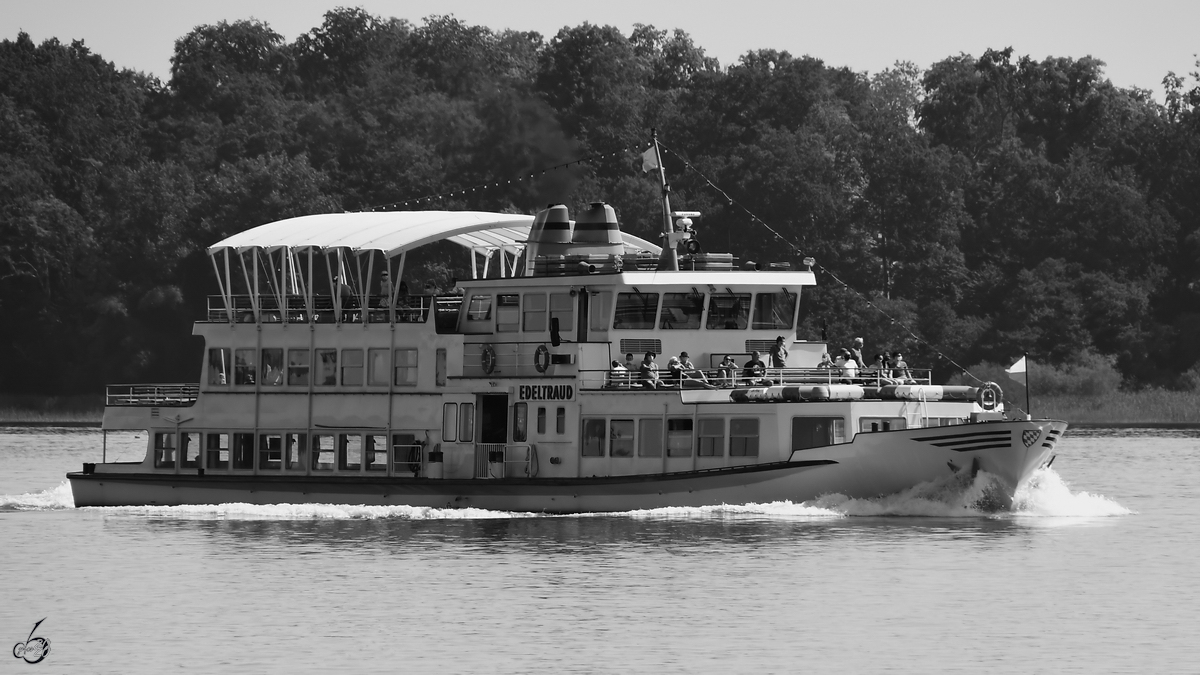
(630, 380)
(408, 309)
(151, 395)
(407, 459)
(500, 460)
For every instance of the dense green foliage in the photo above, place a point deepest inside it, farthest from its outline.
(992, 205)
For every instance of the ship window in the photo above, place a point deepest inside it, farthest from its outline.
(449, 422)
(541, 421)
(218, 366)
(620, 438)
(679, 437)
(377, 367)
(272, 367)
(600, 309)
(243, 366)
(508, 313)
(594, 433)
(352, 367)
(520, 422)
(743, 437)
(326, 367)
(480, 308)
(814, 432)
(681, 311)
(439, 367)
(270, 451)
(243, 451)
(216, 451)
(944, 421)
(164, 450)
(535, 313)
(377, 453)
(406, 367)
(560, 421)
(296, 446)
(650, 437)
(349, 452)
(562, 307)
(711, 437)
(636, 311)
(189, 450)
(728, 311)
(322, 452)
(774, 311)
(298, 367)
(466, 423)
(406, 454)
(868, 424)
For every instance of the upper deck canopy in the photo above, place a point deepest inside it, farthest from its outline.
(395, 232)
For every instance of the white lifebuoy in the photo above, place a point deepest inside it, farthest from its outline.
(541, 358)
(488, 359)
(990, 396)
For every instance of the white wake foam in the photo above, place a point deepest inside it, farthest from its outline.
(45, 500)
(1046, 494)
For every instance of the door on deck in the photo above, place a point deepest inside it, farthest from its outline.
(493, 431)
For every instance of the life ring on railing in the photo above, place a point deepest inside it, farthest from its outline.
(488, 359)
(990, 396)
(541, 358)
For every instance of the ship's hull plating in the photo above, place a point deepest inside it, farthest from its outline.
(872, 465)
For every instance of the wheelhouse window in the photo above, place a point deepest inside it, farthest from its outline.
(406, 368)
(636, 311)
(774, 311)
(298, 360)
(599, 310)
(535, 314)
(508, 313)
(710, 437)
(243, 366)
(352, 367)
(620, 438)
(326, 367)
(479, 308)
(650, 437)
(164, 450)
(681, 311)
(594, 434)
(679, 437)
(218, 365)
(743, 437)
(869, 424)
(562, 307)
(815, 432)
(728, 311)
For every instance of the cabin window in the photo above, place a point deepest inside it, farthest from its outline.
(728, 311)
(681, 311)
(218, 365)
(650, 437)
(599, 310)
(520, 422)
(352, 367)
(243, 451)
(272, 367)
(541, 421)
(479, 308)
(439, 367)
(560, 421)
(679, 437)
(376, 458)
(296, 446)
(562, 307)
(710, 437)
(189, 449)
(243, 366)
(636, 311)
(406, 454)
(466, 423)
(322, 452)
(774, 311)
(508, 313)
(164, 450)
(620, 438)
(944, 421)
(326, 367)
(270, 452)
(406, 368)
(743, 437)
(594, 435)
(535, 313)
(350, 448)
(216, 451)
(298, 367)
(377, 367)
(449, 422)
(815, 432)
(868, 424)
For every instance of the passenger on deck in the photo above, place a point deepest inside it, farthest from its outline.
(754, 370)
(848, 365)
(900, 369)
(826, 362)
(618, 376)
(779, 354)
(878, 371)
(648, 373)
(856, 352)
(726, 369)
(385, 289)
(629, 364)
(691, 376)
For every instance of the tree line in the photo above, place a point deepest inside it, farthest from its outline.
(969, 212)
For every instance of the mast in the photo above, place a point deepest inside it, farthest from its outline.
(669, 260)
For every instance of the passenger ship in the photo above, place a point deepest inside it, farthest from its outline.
(323, 383)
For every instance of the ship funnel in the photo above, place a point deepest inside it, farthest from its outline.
(597, 233)
(550, 235)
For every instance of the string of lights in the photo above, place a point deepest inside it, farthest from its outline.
(787, 242)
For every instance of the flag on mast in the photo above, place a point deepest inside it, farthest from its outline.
(649, 160)
(1017, 371)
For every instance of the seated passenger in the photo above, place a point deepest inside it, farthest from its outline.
(826, 362)
(726, 370)
(848, 366)
(690, 375)
(674, 371)
(648, 373)
(900, 371)
(629, 364)
(879, 371)
(618, 375)
(754, 370)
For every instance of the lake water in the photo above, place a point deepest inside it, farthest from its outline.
(1096, 571)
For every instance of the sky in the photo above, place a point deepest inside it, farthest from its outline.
(1140, 42)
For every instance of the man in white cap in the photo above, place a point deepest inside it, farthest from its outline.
(856, 351)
